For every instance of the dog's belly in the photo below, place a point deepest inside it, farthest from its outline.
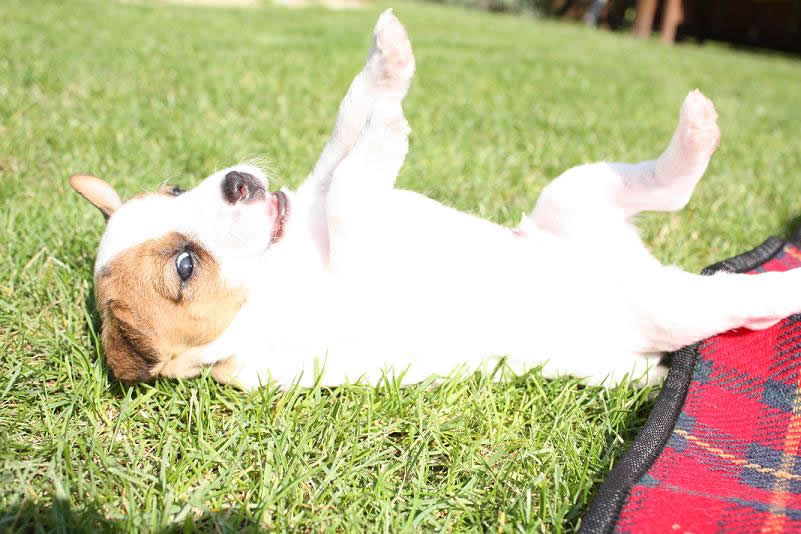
(426, 289)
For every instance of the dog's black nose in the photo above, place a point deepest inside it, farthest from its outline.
(241, 187)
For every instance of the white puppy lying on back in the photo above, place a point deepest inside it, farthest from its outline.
(349, 277)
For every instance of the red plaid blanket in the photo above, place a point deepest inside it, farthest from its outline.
(721, 451)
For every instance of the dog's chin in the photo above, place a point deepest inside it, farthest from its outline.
(278, 205)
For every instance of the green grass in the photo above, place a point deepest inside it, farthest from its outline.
(138, 93)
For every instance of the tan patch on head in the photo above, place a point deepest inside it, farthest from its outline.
(150, 317)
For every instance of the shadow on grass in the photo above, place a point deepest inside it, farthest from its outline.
(634, 423)
(792, 229)
(59, 516)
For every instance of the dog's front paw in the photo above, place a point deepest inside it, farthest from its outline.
(391, 60)
(242, 377)
(225, 371)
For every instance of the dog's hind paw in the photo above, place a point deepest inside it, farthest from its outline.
(698, 127)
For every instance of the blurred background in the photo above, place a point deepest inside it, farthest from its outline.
(772, 24)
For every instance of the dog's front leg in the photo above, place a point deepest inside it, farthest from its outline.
(241, 372)
(361, 182)
(387, 72)
(225, 371)
(381, 84)
(380, 148)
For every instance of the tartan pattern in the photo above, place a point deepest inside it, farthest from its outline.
(733, 460)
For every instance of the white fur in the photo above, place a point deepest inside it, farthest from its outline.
(238, 235)
(369, 278)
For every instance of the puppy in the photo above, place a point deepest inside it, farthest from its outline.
(349, 278)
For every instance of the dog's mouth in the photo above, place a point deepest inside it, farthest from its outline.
(279, 204)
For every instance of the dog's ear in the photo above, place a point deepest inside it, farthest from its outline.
(128, 349)
(99, 193)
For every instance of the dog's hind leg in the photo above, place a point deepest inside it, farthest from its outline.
(678, 308)
(386, 74)
(589, 198)
(668, 183)
(669, 309)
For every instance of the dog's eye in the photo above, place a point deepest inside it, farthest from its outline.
(170, 190)
(184, 264)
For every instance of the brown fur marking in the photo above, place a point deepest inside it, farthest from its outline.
(151, 320)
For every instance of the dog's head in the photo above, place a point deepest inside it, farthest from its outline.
(173, 267)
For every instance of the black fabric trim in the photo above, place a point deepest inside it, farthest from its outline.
(608, 501)
(610, 497)
(750, 260)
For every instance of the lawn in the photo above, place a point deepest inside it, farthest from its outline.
(141, 93)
